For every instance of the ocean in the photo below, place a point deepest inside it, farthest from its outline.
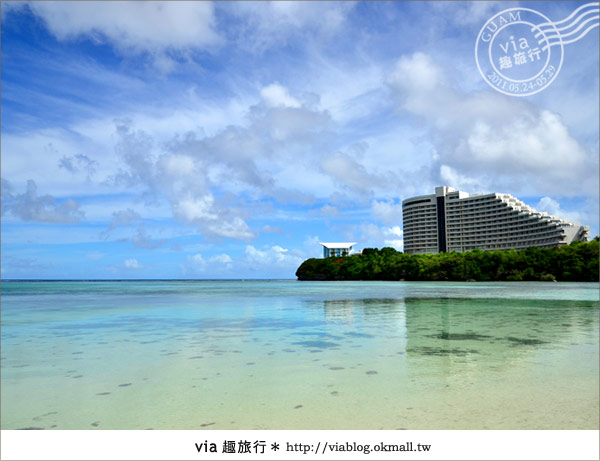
(299, 355)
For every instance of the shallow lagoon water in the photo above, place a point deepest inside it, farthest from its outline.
(299, 355)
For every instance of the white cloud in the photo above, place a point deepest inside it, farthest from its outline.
(387, 212)
(349, 173)
(540, 142)
(142, 240)
(326, 210)
(549, 205)
(78, 163)
(197, 260)
(134, 27)
(274, 255)
(461, 182)
(277, 95)
(394, 237)
(416, 72)
(267, 24)
(203, 177)
(46, 155)
(126, 219)
(267, 261)
(132, 264)
(178, 165)
(552, 207)
(217, 264)
(269, 153)
(195, 209)
(504, 142)
(312, 246)
(271, 230)
(28, 206)
(123, 218)
(176, 175)
(224, 259)
(369, 235)
(234, 228)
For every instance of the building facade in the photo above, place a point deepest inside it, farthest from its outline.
(452, 220)
(337, 249)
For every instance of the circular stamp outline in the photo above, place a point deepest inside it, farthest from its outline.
(530, 80)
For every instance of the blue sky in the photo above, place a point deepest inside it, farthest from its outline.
(225, 140)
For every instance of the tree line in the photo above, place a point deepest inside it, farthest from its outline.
(576, 262)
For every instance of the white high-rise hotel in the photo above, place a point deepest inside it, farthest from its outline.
(452, 220)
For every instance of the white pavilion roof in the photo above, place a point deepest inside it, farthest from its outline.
(338, 245)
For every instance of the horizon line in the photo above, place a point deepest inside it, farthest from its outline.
(148, 280)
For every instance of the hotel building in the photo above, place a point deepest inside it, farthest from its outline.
(451, 220)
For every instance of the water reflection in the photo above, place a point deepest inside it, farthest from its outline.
(361, 310)
(499, 330)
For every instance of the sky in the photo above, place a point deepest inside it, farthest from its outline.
(198, 140)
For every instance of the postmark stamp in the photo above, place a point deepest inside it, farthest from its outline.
(520, 51)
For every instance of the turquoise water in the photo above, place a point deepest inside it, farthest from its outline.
(299, 355)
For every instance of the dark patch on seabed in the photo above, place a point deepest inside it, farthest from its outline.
(441, 352)
(317, 344)
(460, 336)
(358, 335)
(525, 341)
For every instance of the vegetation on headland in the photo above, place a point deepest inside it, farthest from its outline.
(577, 262)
